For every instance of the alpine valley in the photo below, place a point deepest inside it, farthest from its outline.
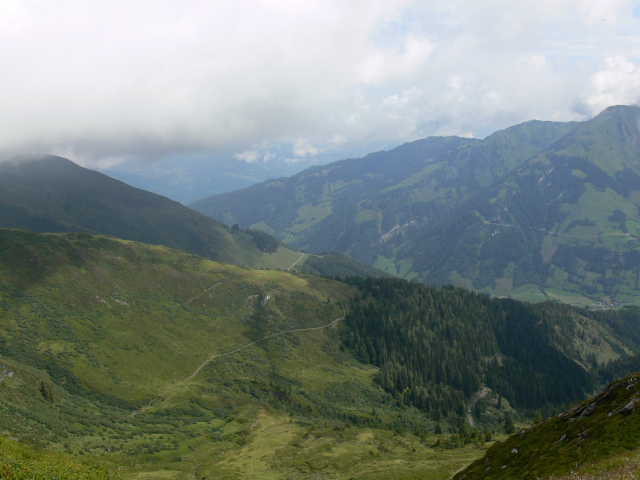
(540, 210)
(140, 339)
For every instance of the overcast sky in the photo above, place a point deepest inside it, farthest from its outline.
(99, 82)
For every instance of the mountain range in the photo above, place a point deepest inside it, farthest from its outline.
(539, 210)
(158, 342)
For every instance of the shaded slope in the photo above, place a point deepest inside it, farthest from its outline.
(46, 193)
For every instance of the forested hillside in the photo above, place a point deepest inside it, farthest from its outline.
(436, 347)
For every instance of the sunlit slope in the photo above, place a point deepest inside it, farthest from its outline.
(160, 363)
(95, 307)
(166, 364)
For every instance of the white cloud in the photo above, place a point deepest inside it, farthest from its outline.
(337, 140)
(538, 61)
(109, 80)
(249, 156)
(302, 148)
(14, 17)
(268, 156)
(618, 83)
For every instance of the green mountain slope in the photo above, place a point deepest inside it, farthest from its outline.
(46, 193)
(565, 221)
(595, 435)
(164, 363)
(365, 207)
(539, 210)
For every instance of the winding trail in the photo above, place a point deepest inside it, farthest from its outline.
(294, 263)
(474, 398)
(231, 352)
(206, 290)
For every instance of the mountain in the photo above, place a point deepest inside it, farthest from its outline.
(46, 193)
(165, 364)
(564, 221)
(597, 438)
(539, 210)
(52, 194)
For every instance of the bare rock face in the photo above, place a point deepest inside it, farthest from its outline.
(629, 407)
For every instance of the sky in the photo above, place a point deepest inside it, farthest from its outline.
(292, 81)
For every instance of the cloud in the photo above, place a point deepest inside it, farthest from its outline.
(538, 61)
(617, 84)
(111, 80)
(303, 148)
(248, 156)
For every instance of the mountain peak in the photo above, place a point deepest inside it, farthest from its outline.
(618, 113)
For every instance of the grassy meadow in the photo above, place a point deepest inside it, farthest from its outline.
(158, 364)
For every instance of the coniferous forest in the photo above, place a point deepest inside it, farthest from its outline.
(436, 347)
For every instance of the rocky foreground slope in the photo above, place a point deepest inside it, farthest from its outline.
(605, 427)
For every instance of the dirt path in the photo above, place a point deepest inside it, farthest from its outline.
(250, 297)
(206, 290)
(474, 398)
(294, 263)
(231, 352)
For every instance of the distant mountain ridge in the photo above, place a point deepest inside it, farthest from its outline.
(47, 193)
(52, 194)
(539, 209)
(566, 219)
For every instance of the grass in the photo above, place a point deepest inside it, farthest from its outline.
(568, 297)
(100, 338)
(19, 462)
(310, 214)
(386, 265)
(107, 354)
(618, 467)
(565, 443)
(365, 216)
